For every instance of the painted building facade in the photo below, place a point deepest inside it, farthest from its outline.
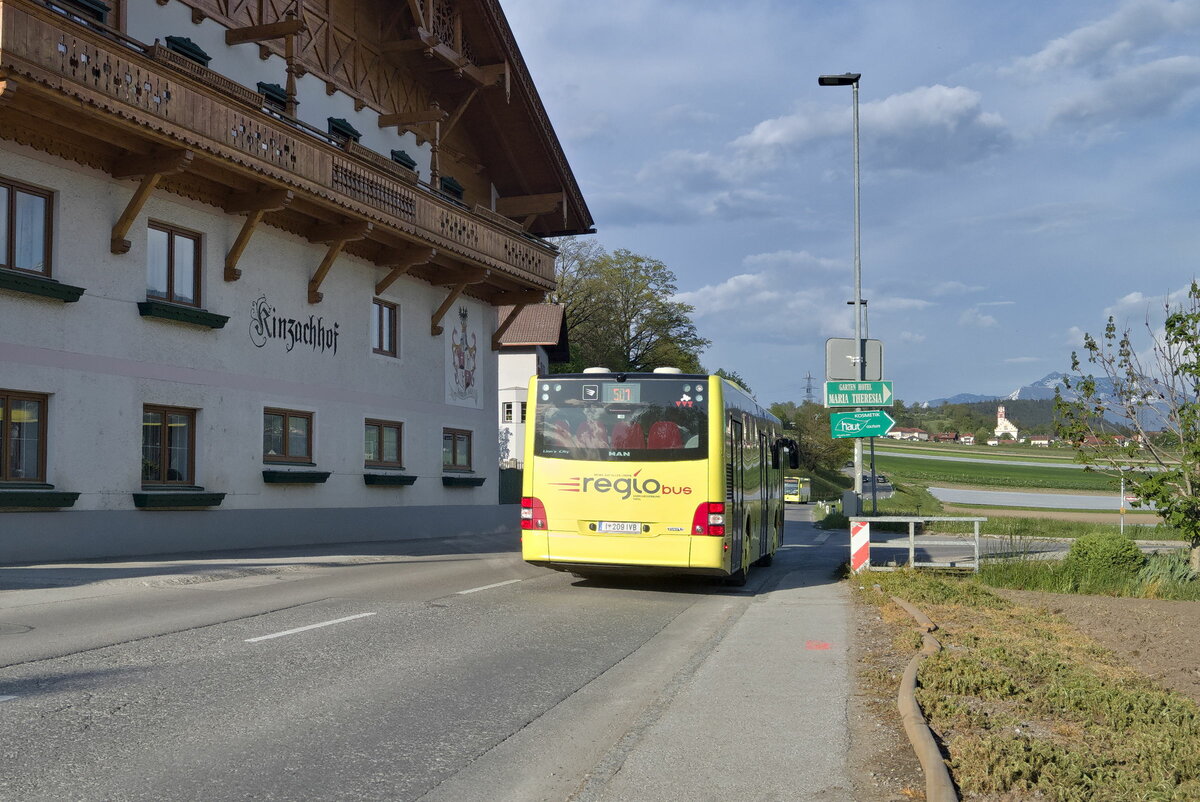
(251, 265)
(536, 339)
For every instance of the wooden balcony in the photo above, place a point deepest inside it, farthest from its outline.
(84, 92)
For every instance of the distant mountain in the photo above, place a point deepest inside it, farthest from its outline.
(1040, 390)
(961, 398)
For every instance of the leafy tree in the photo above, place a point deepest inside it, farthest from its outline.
(619, 311)
(818, 449)
(736, 378)
(1157, 390)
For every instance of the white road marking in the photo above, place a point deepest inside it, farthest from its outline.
(6, 698)
(310, 626)
(821, 538)
(488, 587)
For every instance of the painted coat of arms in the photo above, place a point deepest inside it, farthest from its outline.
(462, 379)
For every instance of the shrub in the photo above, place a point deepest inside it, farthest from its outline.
(834, 520)
(1104, 554)
(1170, 568)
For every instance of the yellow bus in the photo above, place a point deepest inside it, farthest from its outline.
(663, 472)
(797, 489)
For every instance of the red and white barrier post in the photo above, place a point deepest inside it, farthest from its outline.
(860, 545)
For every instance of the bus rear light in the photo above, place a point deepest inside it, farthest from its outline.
(533, 513)
(709, 519)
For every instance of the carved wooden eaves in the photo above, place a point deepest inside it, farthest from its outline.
(335, 235)
(150, 167)
(460, 281)
(519, 300)
(257, 203)
(400, 261)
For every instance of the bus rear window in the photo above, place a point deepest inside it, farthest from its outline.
(634, 420)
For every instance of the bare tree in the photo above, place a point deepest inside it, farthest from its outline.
(1156, 397)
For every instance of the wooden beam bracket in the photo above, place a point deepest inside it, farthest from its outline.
(504, 324)
(151, 168)
(257, 204)
(402, 262)
(468, 277)
(264, 33)
(405, 119)
(336, 236)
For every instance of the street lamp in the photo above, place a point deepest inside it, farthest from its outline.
(851, 79)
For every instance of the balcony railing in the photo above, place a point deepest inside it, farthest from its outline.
(198, 108)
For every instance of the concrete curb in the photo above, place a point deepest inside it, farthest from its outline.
(939, 787)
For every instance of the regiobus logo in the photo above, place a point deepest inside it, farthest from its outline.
(625, 486)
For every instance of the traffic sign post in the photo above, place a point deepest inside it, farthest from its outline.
(858, 394)
(868, 423)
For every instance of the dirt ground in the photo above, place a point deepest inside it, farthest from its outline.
(1161, 639)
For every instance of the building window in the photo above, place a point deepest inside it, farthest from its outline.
(287, 435)
(24, 228)
(456, 450)
(382, 444)
(168, 445)
(173, 265)
(514, 411)
(384, 319)
(22, 437)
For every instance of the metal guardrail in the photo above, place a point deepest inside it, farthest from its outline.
(912, 522)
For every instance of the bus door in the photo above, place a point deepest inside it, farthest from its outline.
(764, 492)
(735, 478)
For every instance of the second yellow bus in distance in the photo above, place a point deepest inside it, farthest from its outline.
(664, 472)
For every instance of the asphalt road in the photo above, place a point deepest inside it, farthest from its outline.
(428, 673)
(1014, 498)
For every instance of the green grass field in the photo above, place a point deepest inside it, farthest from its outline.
(991, 474)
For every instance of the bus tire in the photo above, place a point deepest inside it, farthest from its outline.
(738, 578)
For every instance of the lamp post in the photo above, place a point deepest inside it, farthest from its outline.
(851, 79)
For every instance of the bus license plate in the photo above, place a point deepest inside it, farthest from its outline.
(619, 527)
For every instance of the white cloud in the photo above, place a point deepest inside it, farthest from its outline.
(1147, 90)
(1023, 360)
(896, 304)
(1104, 44)
(801, 260)
(912, 337)
(976, 319)
(926, 129)
(955, 288)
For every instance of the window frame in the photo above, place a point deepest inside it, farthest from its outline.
(189, 477)
(171, 295)
(380, 425)
(453, 465)
(512, 412)
(381, 339)
(286, 457)
(8, 256)
(7, 397)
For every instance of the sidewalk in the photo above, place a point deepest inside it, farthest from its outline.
(770, 727)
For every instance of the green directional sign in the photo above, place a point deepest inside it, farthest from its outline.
(868, 423)
(858, 394)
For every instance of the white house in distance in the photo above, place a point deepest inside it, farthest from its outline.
(252, 257)
(908, 433)
(1004, 426)
(536, 338)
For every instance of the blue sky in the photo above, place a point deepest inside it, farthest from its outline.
(1027, 170)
